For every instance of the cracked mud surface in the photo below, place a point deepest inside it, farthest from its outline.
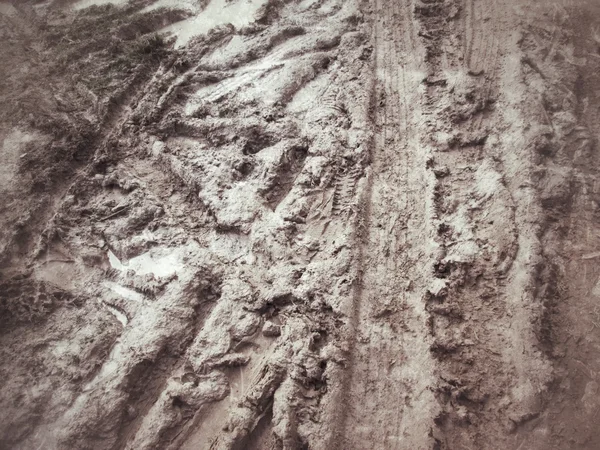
(284, 224)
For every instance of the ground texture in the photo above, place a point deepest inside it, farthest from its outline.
(316, 224)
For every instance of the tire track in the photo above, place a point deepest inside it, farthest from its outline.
(401, 50)
(571, 292)
(467, 344)
(468, 31)
(387, 391)
(484, 21)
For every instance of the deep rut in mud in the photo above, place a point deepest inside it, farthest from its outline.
(284, 224)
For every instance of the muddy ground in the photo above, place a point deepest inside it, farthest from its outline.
(285, 224)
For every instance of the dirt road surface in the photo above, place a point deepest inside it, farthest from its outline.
(299, 224)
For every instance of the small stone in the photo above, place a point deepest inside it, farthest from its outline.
(270, 329)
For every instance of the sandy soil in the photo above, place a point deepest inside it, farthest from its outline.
(285, 224)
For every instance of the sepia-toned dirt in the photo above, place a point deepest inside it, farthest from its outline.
(299, 224)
